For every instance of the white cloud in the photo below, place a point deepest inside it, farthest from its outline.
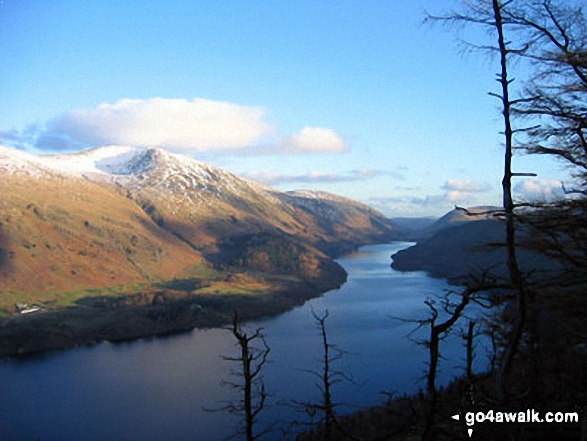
(459, 196)
(177, 124)
(445, 200)
(454, 192)
(539, 190)
(467, 193)
(465, 186)
(405, 205)
(272, 178)
(314, 176)
(317, 140)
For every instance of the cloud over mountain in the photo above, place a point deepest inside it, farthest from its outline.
(462, 192)
(465, 186)
(179, 125)
(456, 191)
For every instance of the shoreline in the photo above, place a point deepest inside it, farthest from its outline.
(57, 330)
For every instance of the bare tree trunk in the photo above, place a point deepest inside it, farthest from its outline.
(251, 360)
(428, 434)
(437, 331)
(329, 427)
(515, 275)
(326, 378)
(470, 355)
(247, 386)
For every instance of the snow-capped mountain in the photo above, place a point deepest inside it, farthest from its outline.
(170, 178)
(120, 214)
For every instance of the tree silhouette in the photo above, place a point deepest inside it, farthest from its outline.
(546, 114)
(251, 385)
(329, 424)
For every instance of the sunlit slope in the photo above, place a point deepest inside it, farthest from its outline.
(205, 205)
(61, 233)
(334, 223)
(125, 216)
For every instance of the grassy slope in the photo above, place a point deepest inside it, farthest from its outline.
(61, 237)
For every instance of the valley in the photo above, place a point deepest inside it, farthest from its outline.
(119, 243)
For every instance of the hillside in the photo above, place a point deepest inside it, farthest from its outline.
(204, 205)
(140, 225)
(336, 224)
(457, 246)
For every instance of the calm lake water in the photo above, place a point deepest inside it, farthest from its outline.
(157, 390)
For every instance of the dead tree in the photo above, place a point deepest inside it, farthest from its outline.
(438, 331)
(251, 361)
(516, 277)
(470, 354)
(327, 378)
(495, 15)
(454, 310)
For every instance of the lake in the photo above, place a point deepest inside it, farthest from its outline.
(164, 388)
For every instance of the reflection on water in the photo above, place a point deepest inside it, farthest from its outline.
(156, 390)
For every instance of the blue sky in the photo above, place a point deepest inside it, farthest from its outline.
(353, 97)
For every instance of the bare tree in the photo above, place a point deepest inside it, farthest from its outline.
(452, 306)
(495, 16)
(546, 114)
(251, 361)
(439, 331)
(516, 277)
(328, 377)
(469, 337)
(373, 424)
(553, 35)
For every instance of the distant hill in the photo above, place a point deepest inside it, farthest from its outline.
(420, 228)
(455, 251)
(414, 223)
(458, 245)
(458, 216)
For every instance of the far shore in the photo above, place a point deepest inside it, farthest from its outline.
(94, 322)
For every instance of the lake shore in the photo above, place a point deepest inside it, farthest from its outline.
(96, 321)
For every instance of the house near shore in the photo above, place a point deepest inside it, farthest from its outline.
(25, 308)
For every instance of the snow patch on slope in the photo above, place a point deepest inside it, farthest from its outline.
(318, 195)
(179, 176)
(116, 160)
(17, 162)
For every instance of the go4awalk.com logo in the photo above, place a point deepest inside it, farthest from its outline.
(528, 416)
